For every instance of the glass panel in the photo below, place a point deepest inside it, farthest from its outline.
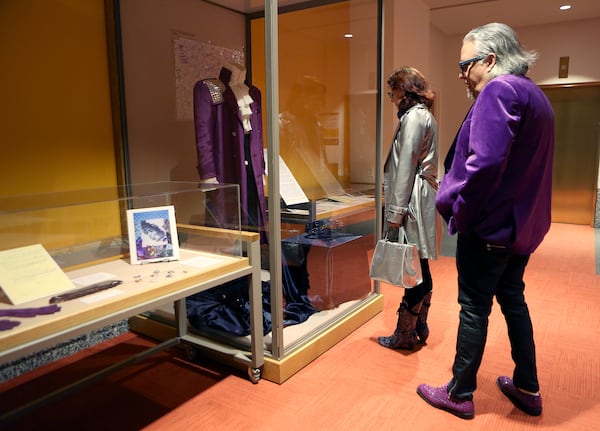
(156, 241)
(82, 226)
(327, 120)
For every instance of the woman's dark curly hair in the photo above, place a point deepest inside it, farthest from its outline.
(415, 88)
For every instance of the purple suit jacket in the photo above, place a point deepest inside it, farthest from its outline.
(220, 143)
(500, 184)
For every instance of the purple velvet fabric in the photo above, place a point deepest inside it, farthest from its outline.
(29, 312)
(6, 324)
(500, 184)
(220, 141)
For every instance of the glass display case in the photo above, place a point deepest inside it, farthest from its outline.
(75, 261)
(323, 137)
(85, 225)
(313, 70)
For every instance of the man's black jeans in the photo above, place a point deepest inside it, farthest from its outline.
(485, 271)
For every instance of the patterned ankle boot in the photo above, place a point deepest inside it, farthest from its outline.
(422, 328)
(405, 336)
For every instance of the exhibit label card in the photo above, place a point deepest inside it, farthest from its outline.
(29, 273)
(289, 188)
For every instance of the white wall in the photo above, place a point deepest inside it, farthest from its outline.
(162, 148)
(577, 40)
(411, 41)
(453, 103)
(407, 42)
(580, 44)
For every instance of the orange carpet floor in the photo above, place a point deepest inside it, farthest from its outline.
(356, 385)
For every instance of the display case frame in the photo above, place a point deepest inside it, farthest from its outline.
(289, 356)
(363, 81)
(85, 232)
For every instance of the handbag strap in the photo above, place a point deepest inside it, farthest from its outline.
(402, 235)
(402, 238)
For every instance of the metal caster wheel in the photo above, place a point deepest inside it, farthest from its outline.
(193, 354)
(255, 374)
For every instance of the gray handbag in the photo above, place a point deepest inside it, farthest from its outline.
(396, 263)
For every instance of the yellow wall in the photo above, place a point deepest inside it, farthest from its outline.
(55, 119)
(55, 114)
(317, 67)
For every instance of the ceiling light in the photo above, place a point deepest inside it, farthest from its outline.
(348, 35)
(565, 7)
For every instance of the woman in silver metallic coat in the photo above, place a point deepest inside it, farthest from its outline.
(410, 186)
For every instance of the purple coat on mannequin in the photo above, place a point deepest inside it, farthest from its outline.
(221, 141)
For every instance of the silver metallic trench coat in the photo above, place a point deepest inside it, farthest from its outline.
(410, 180)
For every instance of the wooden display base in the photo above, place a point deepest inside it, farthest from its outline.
(279, 370)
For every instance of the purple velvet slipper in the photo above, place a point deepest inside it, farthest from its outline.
(530, 404)
(439, 398)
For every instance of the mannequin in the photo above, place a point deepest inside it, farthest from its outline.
(229, 144)
(229, 141)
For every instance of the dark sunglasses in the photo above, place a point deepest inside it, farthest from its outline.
(463, 65)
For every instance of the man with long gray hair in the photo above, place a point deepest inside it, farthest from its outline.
(497, 197)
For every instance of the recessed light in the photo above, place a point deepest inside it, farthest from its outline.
(348, 35)
(565, 7)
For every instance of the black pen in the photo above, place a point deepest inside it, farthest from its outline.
(88, 290)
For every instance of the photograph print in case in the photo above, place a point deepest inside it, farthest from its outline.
(152, 234)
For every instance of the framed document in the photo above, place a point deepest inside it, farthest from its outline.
(152, 234)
